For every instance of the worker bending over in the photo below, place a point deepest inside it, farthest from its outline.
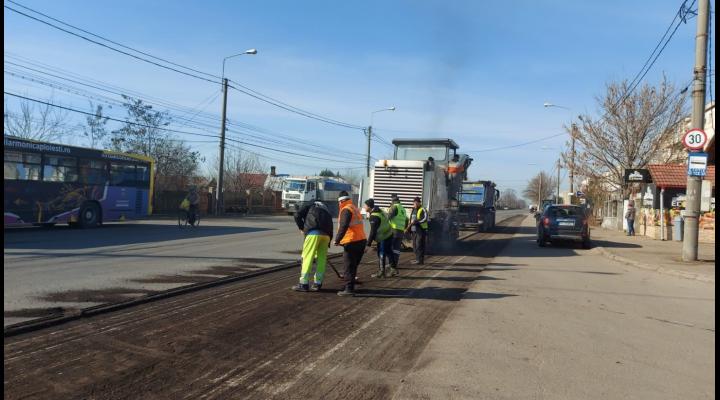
(315, 222)
(380, 232)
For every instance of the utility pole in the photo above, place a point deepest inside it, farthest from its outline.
(694, 183)
(219, 194)
(558, 182)
(369, 135)
(540, 178)
(572, 157)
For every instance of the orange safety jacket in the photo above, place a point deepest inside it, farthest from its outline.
(355, 231)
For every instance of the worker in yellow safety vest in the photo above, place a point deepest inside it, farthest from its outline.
(419, 228)
(398, 222)
(381, 232)
(350, 235)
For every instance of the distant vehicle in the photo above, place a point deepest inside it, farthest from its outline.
(48, 183)
(563, 223)
(532, 209)
(300, 191)
(506, 208)
(476, 203)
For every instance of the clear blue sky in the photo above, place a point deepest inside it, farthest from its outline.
(474, 71)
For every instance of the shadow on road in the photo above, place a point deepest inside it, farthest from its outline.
(65, 238)
(453, 278)
(429, 293)
(618, 245)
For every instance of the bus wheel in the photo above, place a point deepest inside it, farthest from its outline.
(89, 215)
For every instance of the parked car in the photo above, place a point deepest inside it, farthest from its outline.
(563, 223)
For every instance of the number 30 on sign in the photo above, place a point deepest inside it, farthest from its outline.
(694, 139)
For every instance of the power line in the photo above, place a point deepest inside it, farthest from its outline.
(111, 41)
(171, 130)
(244, 89)
(517, 145)
(103, 87)
(682, 12)
(296, 110)
(109, 47)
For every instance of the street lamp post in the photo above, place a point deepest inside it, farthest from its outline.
(573, 134)
(369, 135)
(219, 194)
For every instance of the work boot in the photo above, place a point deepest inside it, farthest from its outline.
(394, 272)
(301, 287)
(380, 274)
(346, 292)
(316, 287)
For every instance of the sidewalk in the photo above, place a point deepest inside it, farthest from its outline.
(657, 255)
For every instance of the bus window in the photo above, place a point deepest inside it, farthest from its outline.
(22, 166)
(122, 174)
(59, 169)
(143, 176)
(93, 172)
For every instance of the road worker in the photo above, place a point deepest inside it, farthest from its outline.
(381, 233)
(350, 235)
(315, 222)
(418, 226)
(398, 222)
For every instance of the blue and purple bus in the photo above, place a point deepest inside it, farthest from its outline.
(48, 183)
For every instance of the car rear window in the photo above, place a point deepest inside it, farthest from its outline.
(565, 212)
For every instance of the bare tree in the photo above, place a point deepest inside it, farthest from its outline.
(95, 128)
(542, 186)
(508, 198)
(635, 129)
(142, 133)
(36, 121)
(240, 166)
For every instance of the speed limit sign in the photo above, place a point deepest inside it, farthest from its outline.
(694, 139)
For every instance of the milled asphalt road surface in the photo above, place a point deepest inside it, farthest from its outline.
(50, 271)
(571, 324)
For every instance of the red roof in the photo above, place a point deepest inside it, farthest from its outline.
(252, 180)
(675, 175)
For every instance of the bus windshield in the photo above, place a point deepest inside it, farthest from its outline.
(421, 152)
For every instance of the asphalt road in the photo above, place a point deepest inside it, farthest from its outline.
(499, 318)
(254, 339)
(57, 270)
(571, 325)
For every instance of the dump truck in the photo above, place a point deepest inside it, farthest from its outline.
(477, 205)
(431, 169)
(300, 191)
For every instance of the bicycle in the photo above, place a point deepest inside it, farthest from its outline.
(184, 219)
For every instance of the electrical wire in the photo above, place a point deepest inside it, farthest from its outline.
(241, 88)
(517, 145)
(682, 12)
(111, 41)
(295, 142)
(172, 130)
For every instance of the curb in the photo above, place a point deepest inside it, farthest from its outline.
(662, 270)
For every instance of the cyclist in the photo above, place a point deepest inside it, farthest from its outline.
(194, 199)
